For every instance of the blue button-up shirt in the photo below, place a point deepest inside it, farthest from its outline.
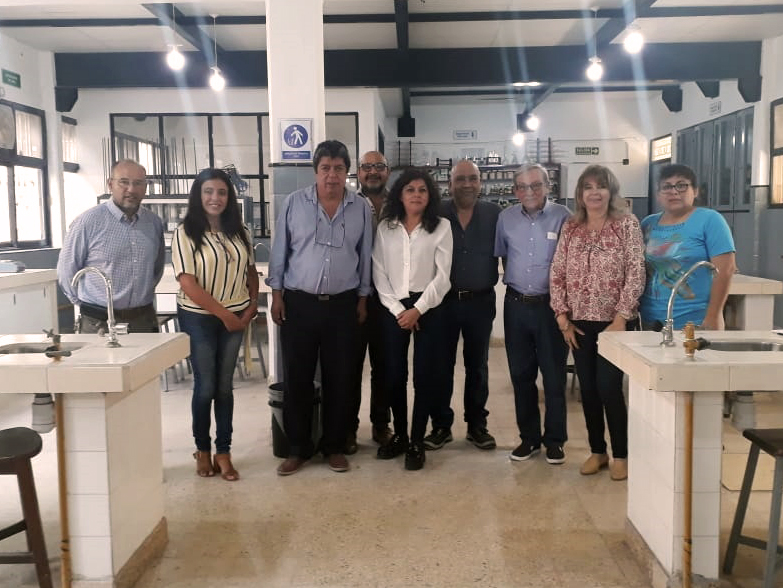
(129, 251)
(527, 243)
(320, 255)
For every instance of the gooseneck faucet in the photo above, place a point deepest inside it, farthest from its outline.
(110, 323)
(668, 327)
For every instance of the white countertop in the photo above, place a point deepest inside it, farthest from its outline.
(639, 354)
(94, 367)
(741, 284)
(27, 278)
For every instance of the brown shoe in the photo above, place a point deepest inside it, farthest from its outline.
(290, 466)
(619, 469)
(381, 434)
(338, 463)
(592, 464)
(224, 466)
(204, 464)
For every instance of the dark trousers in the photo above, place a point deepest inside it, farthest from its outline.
(601, 385)
(533, 342)
(472, 318)
(317, 329)
(146, 322)
(370, 338)
(428, 363)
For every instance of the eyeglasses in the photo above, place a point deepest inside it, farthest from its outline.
(535, 186)
(126, 183)
(379, 167)
(680, 187)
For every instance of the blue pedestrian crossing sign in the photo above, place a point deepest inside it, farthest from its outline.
(296, 139)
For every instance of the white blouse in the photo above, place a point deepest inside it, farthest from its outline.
(419, 262)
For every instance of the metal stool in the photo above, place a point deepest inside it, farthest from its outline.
(771, 441)
(17, 447)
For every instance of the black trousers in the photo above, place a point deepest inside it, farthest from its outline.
(371, 339)
(601, 384)
(325, 329)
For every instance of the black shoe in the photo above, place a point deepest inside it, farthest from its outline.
(438, 438)
(350, 445)
(397, 445)
(555, 454)
(524, 451)
(415, 457)
(481, 438)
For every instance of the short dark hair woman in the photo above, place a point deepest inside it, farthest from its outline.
(411, 270)
(213, 262)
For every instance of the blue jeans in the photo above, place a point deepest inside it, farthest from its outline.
(472, 317)
(534, 341)
(213, 355)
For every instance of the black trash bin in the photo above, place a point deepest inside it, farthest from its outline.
(280, 445)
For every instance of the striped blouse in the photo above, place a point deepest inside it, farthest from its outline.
(220, 267)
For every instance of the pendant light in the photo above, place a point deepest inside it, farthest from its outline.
(595, 70)
(174, 58)
(216, 81)
(634, 40)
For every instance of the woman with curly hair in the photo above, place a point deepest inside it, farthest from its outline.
(411, 269)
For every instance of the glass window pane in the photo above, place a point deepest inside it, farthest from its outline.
(266, 147)
(187, 144)
(29, 134)
(777, 180)
(5, 220)
(343, 127)
(136, 137)
(69, 143)
(28, 194)
(725, 162)
(777, 116)
(235, 142)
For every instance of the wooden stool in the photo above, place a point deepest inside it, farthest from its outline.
(771, 441)
(17, 447)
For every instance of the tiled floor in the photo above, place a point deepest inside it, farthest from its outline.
(470, 518)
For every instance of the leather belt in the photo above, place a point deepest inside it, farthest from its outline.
(526, 298)
(468, 294)
(322, 297)
(123, 314)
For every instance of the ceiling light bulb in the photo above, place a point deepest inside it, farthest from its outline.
(634, 41)
(175, 59)
(216, 81)
(594, 71)
(532, 122)
(518, 139)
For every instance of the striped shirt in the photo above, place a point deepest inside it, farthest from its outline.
(129, 251)
(220, 268)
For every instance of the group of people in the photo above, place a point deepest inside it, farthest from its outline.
(353, 272)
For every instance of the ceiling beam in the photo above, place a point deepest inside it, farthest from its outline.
(401, 20)
(417, 17)
(614, 26)
(518, 94)
(427, 67)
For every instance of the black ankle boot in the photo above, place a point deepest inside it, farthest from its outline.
(414, 457)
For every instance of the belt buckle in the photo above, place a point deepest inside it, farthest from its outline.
(461, 293)
(323, 298)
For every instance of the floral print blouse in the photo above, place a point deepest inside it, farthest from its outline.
(597, 275)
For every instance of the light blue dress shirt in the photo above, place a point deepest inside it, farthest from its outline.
(528, 245)
(320, 255)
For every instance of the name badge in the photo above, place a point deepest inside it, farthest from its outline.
(551, 235)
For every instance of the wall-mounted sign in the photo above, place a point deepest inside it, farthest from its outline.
(661, 149)
(12, 78)
(465, 135)
(296, 139)
(586, 151)
(715, 107)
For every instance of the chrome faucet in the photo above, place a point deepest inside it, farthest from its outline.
(668, 327)
(110, 323)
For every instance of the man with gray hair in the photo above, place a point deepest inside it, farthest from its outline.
(526, 239)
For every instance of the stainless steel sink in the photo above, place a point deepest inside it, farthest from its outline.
(34, 347)
(746, 345)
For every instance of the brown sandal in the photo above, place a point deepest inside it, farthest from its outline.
(204, 464)
(223, 465)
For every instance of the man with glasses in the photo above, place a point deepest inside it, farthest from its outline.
(373, 173)
(526, 239)
(125, 242)
(319, 272)
(469, 306)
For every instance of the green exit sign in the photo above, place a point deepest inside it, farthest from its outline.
(12, 78)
